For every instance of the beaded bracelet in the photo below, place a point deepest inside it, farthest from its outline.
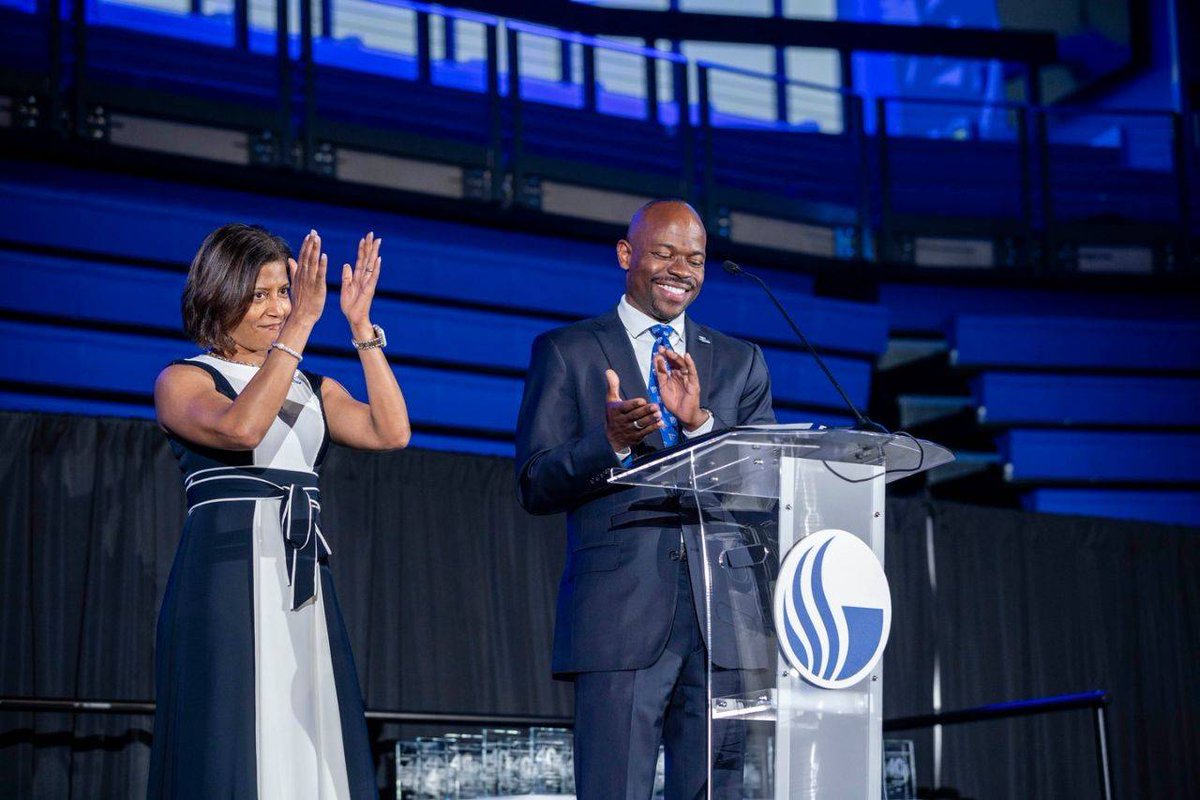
(288, 350)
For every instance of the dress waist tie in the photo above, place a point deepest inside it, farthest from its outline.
(299, 513)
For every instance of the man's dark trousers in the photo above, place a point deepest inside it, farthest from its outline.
(624, 710)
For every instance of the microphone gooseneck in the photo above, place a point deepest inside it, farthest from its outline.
(862, 423)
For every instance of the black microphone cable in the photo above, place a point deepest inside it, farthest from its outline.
(861, 422)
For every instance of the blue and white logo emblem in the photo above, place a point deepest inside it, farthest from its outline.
(833, 609)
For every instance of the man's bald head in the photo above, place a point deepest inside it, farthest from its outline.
(663, 258)
(656, 207)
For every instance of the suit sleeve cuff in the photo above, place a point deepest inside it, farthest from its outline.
(594, 457)
(703, 429)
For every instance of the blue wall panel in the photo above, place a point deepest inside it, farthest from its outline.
(135, 296)
(438, 398)
(142, 219)
(102, 361)
(85, 291)
(787, 416)
(106, 362)
(796, 378)
(108, 293)
(1101, 457)
(1174, 508)
(1014, 398)
(51, 404)
(736, 306)
(1100, 344)
(117, 362)
(929, 308)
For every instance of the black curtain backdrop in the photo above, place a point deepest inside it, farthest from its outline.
(448, 591)
(1030, 605)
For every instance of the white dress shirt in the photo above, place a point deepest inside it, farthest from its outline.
(637, 326)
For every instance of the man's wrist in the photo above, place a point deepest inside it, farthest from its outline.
(701, 418)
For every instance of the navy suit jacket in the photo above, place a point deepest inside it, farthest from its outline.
(618, 590)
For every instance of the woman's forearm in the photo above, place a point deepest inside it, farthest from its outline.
(388, 411)
(249, 417)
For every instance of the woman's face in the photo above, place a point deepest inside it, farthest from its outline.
(269, 308)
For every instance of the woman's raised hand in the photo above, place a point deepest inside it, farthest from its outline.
(358, 284)
(308, 280)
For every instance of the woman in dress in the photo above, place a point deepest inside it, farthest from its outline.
(257, 695)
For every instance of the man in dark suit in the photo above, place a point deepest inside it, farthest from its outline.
(628, 631)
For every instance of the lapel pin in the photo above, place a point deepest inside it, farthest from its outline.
(703, 338)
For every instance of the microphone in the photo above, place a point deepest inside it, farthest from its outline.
(861, 422)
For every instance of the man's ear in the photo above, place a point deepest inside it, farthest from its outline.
(624, 254)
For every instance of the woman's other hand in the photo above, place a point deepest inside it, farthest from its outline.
(308, 280)
(358, 285)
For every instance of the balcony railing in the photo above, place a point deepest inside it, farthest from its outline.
(505, 112)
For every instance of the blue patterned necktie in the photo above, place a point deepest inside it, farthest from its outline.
(662, 338)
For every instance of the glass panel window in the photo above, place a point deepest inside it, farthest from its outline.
(813, 65)
(643, 5)
(378, 27)
(541, 57)
(749, 8)
(808, 107)
(810, 9)
(730, 93)
(619, 72)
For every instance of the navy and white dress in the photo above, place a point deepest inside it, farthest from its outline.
(257, 695)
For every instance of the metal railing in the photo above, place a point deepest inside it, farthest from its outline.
(806, 112)
(1096, 701)
(143, 708)
(579, 85)
(1052, 205)
(1012, 133)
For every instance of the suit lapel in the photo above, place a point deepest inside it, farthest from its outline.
(614, 341)
(700, 348)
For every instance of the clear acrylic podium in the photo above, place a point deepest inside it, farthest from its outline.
(750, 494)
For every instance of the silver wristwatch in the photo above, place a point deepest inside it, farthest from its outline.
(380, 340)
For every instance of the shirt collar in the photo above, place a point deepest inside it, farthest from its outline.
(638, 324)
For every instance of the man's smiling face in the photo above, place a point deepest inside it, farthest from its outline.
(663, 259)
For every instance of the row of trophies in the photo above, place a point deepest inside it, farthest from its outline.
(495, 762)
(504, 762)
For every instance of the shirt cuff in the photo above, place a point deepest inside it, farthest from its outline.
(625, 456)
(703, 429)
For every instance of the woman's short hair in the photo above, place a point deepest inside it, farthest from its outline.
(220, 282)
